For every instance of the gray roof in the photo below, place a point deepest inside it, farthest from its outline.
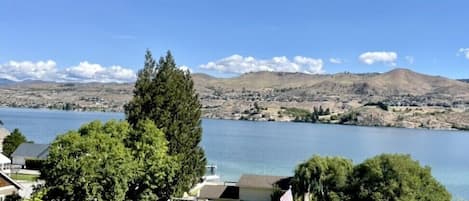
(264, 181)
(29, 150)
(219, 192)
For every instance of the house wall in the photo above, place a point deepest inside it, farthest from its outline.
(8, 190)
(18, 160)
(254, 194)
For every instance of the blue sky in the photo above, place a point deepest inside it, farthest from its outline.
(106, 40)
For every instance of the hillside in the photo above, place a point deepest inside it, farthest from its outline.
(412, 97)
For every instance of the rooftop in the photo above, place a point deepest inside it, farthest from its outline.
(264, 181)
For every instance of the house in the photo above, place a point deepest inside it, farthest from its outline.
(8, 186)
(219, 193)
(260, 187)
(4, 161)
(29, 151)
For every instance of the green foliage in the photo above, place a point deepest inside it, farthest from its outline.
(34, 164)
(109, 162)
(387, 177)
(325, 178)
(276, 193)
(13, 197)
(300, 115)
(12, 141)
(349, 117)
(166, 95)
(395, 177)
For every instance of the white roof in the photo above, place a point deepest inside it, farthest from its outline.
(4, 159)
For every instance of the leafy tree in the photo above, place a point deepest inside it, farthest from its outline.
(155, 169)
(276, 193)
(13, 197)
(12, 141)
(395, 177)
(109, 162)
(325, 178)
(166, 95)
(88, 164)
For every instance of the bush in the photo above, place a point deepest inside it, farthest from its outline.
(34, 164)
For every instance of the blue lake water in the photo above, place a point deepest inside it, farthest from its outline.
(275, 148)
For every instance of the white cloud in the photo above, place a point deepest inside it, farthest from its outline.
(410, 59)
(48, 71)
(465, 52)
(88, 72)
(239, 64)
(378, 57)
(23, 70)
(335, 60)
(185, 68)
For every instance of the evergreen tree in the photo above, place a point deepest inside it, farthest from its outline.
(166, 95)
(12, 141)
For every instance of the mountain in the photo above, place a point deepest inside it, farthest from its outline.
(6, 81)
(464, 80)
(394, 82)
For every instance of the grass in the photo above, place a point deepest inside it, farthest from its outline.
(24, 177)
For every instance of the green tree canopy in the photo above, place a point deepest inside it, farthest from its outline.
(165, 94)
(387, 177)
(397, 178)
(109, 162)
(325, 178)
(12, 141)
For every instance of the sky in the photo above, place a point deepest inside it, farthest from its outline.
(105, 41)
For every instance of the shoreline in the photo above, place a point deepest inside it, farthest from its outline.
(231, 119)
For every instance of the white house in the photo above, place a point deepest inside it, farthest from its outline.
(29, 151)
(4, 162)
(8, 186)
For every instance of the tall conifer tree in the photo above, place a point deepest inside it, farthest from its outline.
(165, 94)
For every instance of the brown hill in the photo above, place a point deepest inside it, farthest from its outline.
(394, 82)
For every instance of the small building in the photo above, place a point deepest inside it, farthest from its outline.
(260, 187)
(8, 186)
(29, 151)
(4, 162)
(219, 193)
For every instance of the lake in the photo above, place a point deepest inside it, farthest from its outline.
(275, 148)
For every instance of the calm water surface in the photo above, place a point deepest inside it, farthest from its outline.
(238, 147)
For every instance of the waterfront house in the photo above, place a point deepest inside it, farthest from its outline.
(219, 193)
(248, 188)
(8, 186)
(260, 187)
(29, 151)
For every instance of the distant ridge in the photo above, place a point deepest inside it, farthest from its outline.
(394, 82)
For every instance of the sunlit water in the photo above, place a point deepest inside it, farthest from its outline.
(275, 148)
